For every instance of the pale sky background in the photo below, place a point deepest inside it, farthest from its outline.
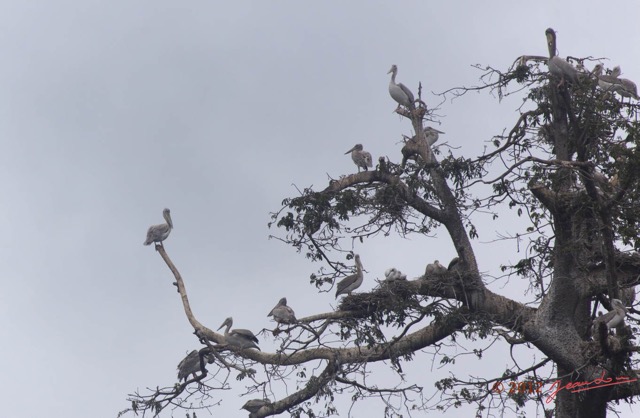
(112, 110)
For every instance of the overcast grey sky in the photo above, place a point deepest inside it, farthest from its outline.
(112, 110)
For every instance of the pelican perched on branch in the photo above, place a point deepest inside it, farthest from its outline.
(160, 232)
(191, 364)
(254, 405)
(613, 82)
(627, 88)
(612, 318)
(240, 338)
(559, 67)
(431, 134)
(360, 157)
(282, 313)
(606, 82)
(351, 283)
(398, 91)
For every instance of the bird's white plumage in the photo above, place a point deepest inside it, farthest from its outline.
(361, 158)
(398, 91)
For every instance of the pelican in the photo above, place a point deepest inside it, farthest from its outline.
(360, 157)
(626, 88)
(431, 134)
(351, 283)
(240, 338)
(282, 313)
(398, 91)
(559, 67)
(191, 364)
(394, 274)
(254, 405)
(605, 82)
(430, 269)
(612, 318)
(160, 232)
(439, 268)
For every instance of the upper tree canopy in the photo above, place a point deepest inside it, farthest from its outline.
(567, 167)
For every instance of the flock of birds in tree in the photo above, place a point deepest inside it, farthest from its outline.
(567, 73)
(239, 338)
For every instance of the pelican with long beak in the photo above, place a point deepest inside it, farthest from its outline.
(239, 338)
(398, 91)
(360, 157)
(351, 283)
(160, 232)
(559, 67)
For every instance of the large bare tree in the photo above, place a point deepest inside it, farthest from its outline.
(568, 167)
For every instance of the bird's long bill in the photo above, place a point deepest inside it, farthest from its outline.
(551, 39)
(354, 147)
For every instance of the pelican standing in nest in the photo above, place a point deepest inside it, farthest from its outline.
(282, 313)
(430, 269)
(351, 283)
(191, 364)
(240, 338)
(160, 232)
(435, 268)
(398, 91)
(393, 274)
(559, 67)
(360, 157)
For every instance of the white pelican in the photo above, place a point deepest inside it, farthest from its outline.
(612, 318)
(191, 364)
(360, 157)
(282, 313)
(559, 66)
(351, 283)
(605, 82)
(627, 88)
(240, 338)
(394, 274)
(160, 232)
(398, 91)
